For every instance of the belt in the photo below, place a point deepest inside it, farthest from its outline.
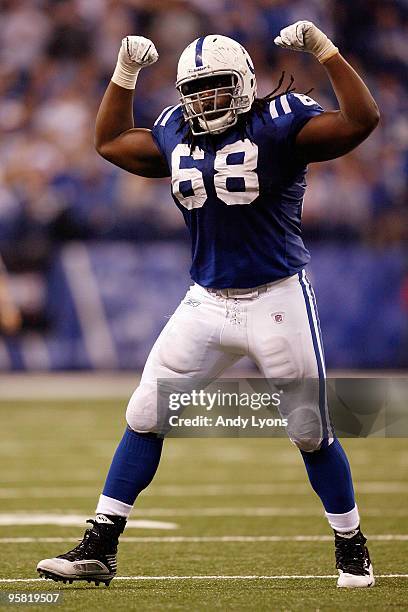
(241, 293)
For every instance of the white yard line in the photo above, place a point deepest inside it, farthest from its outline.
(205, 490)
(206, 539)
(69, 520)
(216, 577)
(13, 518)
(254, 511)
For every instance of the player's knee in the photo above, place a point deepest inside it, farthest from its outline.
(305, 427)
(307, 444)
(141, 412)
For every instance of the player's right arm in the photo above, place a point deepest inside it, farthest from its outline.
(116, 138)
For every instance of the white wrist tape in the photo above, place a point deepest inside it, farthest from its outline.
(326, 52)
(125, 75)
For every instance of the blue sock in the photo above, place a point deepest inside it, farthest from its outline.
(330, 476)
(133, 466)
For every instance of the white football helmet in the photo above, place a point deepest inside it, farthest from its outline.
(216, 81)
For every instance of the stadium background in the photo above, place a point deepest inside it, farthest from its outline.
(99, 258)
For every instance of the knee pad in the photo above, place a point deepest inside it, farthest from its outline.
(305, 428)
(141, 412)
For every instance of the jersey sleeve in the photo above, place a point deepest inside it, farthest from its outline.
(158, 130)
(166, 117)
(290, 113)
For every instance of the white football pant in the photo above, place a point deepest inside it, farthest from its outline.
(276, 325)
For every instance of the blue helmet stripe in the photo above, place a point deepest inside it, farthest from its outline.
(199, 52)
(250, 67)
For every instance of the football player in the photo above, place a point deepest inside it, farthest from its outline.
(237, 165)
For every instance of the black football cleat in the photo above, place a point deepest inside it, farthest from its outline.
(94, 559)
(353, 561)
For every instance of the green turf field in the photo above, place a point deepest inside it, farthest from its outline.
(225, 514)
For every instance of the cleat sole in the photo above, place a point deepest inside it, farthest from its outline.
(47, 575)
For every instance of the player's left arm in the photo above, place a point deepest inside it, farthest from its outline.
(334, 133)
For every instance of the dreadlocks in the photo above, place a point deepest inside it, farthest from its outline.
(258, 106)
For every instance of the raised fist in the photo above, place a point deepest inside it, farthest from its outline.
(137, 51)
(305, 36)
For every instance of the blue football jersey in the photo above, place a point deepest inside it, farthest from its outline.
(241, 193)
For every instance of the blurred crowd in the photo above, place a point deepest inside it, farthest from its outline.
(56, 57)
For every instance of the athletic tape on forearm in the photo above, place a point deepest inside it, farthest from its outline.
(327, 53)
(125, 76)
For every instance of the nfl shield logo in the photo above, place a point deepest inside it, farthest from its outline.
(278, 317)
